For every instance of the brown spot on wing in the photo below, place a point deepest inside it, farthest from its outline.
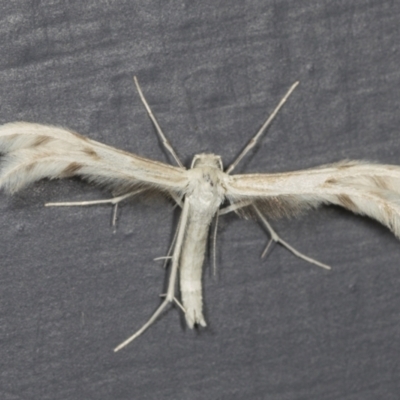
(347, 164)
(331, 181)
(41, 139)
(91, 153)
(380, 182)
(30, 167)
(347, 202)
(71, 169)
(344, 166)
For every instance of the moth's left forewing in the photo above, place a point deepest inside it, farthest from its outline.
(128, 170)
(33, 151)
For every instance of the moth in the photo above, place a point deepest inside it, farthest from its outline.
(204, 191)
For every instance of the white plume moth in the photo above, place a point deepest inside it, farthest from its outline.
(32, 152)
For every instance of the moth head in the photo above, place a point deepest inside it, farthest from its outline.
(207, 160)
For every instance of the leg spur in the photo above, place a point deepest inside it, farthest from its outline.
(275, 238)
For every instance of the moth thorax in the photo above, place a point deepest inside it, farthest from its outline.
(207, 160)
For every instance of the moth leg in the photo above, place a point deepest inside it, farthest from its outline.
(168, 256)
(164, 140)
(179, 305)
(214, 237)
(233, 207)
(177, 302)
(177, 199)
(114, 217)
(162, 258)
(114, 200)
(277, 239)
(170, 296)
(222, 211)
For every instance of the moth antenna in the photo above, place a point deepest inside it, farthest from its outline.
(163, 138)
(276, 238)
(170, 296)
(255, 138)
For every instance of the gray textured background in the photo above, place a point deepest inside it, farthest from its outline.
(71, 289)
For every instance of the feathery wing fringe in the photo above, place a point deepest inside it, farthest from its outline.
(363, 188)
(34, 151)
